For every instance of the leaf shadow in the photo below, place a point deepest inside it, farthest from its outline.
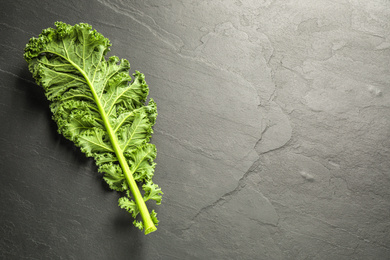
(35, 101)
(131, 236)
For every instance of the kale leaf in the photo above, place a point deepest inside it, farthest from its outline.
(102, 109)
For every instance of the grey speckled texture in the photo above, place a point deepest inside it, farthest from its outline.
(273, 133)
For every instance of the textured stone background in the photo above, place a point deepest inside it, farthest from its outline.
(273, 133)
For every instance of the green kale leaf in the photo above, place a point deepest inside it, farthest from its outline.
(102, 109)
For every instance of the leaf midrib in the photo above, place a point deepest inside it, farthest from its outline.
(149, 226)
(114, 142)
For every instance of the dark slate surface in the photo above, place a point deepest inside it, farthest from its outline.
(273, 133)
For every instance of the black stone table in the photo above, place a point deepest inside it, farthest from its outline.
(273, 133)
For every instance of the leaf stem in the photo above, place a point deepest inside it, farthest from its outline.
(147, 220)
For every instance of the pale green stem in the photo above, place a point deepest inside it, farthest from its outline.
(147, 220)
